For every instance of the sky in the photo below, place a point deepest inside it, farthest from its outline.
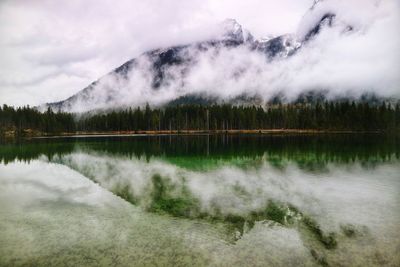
(50, 50)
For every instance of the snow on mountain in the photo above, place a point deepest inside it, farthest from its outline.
(281, 46)
(232, 65)
(232, 30)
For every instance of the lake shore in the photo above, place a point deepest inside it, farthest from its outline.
(198, 132)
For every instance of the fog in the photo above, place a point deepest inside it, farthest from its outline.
(357, 55)
(50, 51)
(44, 64)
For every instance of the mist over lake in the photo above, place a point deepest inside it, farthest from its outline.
(207, 200)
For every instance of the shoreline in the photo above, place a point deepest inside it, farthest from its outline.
(200, 132)
(29, 134)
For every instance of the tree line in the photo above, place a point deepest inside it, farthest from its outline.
(343, 115)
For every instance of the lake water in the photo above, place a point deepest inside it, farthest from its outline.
(201, 201)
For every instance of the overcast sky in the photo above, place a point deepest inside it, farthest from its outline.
(51, 49)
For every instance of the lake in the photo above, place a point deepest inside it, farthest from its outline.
(218, 200)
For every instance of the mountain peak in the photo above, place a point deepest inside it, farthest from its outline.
(231, 25)
(232, 30)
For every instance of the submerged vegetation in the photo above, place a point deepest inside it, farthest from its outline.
(335, 116)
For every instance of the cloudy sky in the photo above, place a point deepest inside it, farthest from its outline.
(52, 49)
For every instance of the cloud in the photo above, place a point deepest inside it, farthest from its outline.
(77, 42)
(49, 51)
(358, 54)
(342, 62)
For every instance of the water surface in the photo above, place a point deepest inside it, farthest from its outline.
(201, 200)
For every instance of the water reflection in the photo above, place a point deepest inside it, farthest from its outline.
(277, 200)
(301, 149)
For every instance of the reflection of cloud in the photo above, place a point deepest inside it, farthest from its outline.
(338, 195)
(51, 215)
(57, 183)
(87, 225)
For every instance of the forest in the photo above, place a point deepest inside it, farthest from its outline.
(329, 116)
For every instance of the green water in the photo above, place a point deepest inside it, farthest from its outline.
(330, 200)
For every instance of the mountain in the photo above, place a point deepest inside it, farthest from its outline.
(180, 74)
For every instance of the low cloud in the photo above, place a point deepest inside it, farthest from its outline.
(50, 51)
(358, 54)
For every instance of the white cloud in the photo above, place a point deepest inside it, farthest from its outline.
(50, 51)
(45, 43)
(338, 61)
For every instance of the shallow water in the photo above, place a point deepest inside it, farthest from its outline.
(201, 200)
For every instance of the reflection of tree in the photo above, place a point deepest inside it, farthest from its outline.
(309, 152)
